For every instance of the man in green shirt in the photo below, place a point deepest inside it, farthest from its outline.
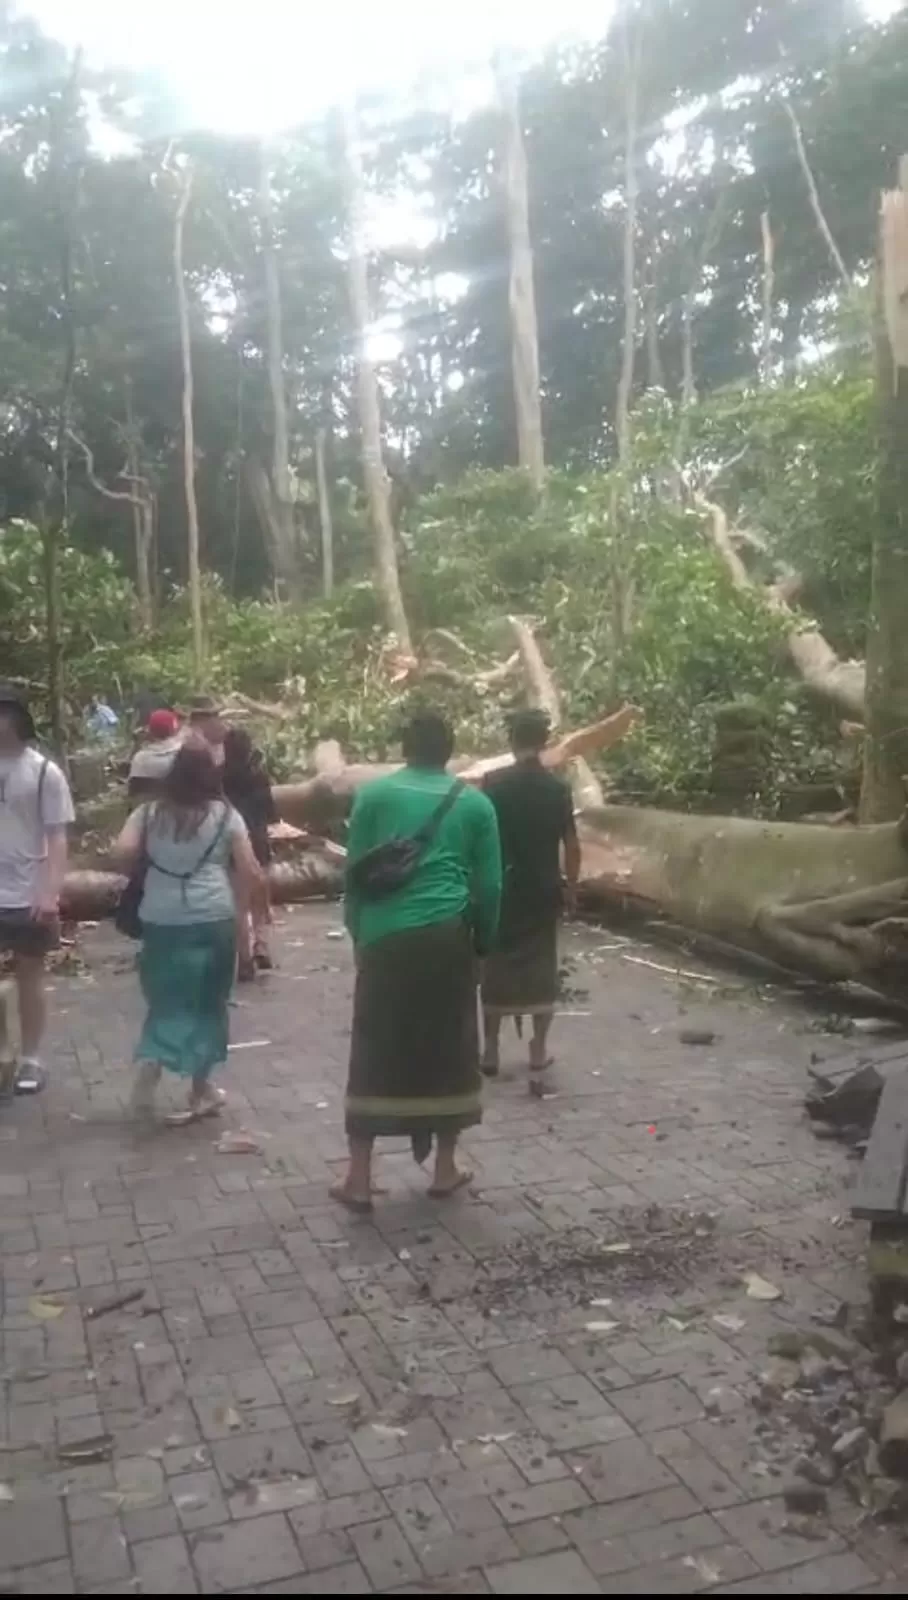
(414, 1054)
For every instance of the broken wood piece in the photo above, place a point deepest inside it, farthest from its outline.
(116, 1303)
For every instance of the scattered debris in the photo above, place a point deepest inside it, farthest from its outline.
(45, 1309)
(728, 1322)
(703, 1036)
(808, 1499)
(228, 1417)
(846, 1107)
(894, 1437)
(601, 1327)
(851, 1444)
(87, 1451)
(621, 1249)
(345, 1397)
(385, 1431)
(116, 1303)
(760, 1288)
(7, 1494)
(250, 1044)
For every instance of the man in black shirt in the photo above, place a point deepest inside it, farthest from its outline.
(536, 824)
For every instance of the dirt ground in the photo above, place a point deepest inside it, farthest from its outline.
(567, 1381)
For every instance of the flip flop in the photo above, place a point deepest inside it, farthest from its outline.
(359, 1208)
(463, 1179)
(208, 1108)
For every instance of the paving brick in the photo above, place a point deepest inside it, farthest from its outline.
(163, 1567)
(542, 1500)
(666, 1403)
(385, 1554)
(238, 1555)
(620, 1471)
(32, 1532)
(837, 1574)
(99, 1553)
(52, 1577)
(690, 1574)
(762, 1528)
(562, 1573)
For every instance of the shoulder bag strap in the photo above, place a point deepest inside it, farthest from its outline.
(429, 829)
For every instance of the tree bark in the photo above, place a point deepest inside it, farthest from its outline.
(378, 488)
(815, 201)
(325, 521)
(521, 290)
(886, 721)
(194, 574)
(769, 295)
(141, 499)
(278, 505)
(632, 56)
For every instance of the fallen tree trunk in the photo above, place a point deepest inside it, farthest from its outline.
(830, 901)
(90, 895)
(842, 682)
(320, 803)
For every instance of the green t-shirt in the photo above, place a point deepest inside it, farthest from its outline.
(461, 867)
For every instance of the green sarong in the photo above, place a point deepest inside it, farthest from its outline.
(186, 975)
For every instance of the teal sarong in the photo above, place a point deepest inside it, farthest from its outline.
(186, 973)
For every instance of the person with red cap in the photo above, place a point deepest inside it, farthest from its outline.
(154, 759)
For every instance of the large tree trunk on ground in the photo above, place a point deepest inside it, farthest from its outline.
(886, 744)
(521, 291)
(378, 487)
(831, 901)
(90, 895)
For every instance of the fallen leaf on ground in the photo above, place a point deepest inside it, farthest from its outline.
(250, 1044)
(238, 1144)
(131, 1499)
(43, 1309)
(704, 1568)
(349, 1397)
(385, 1431)
(729, 1322)
(760, 1288)
(601, 1327)
(7, 1494)
(494, 1438)
(229, 1417)
(621, 1249)
(596, 1304)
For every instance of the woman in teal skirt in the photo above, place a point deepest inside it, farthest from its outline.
(196, 852)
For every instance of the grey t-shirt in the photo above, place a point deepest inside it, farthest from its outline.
(207, 894)
(29, 805)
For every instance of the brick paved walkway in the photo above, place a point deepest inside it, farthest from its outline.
(309, 1403)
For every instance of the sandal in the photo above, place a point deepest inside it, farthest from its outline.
(359, 1207)
(461, 1182)
(210, 1106)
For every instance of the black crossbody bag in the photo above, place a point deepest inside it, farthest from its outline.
(389, 867)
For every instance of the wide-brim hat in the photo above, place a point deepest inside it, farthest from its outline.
(12, 695)
(205, 705)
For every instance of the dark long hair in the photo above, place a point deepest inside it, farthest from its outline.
(191, 784)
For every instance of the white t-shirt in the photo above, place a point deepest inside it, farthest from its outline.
(29, 805)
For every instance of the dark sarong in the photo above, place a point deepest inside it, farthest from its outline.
(521, 979)
(414, 1051)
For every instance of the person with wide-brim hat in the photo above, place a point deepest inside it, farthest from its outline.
(35, 810)
(205, 718)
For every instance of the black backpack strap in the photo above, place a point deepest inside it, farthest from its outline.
(207, 853)
(45, 763)
(429, 829)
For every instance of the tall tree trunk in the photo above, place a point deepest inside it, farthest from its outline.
(324, 512)
(521, 291)
(55, 527)
(192, 508)
(632, 50)
(816, 204)
(769, 294)
(142, 520)
(886, 744)
(655, 376)
(378, 487)
(279, 506)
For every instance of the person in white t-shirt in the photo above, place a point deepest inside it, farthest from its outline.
(35, 810)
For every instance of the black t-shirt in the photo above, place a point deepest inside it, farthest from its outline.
(535, 814)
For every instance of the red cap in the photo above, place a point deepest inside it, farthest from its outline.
(162, 724)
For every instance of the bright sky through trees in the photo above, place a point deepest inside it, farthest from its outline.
(258, 66)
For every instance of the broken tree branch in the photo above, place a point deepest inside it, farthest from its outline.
(814, 193)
